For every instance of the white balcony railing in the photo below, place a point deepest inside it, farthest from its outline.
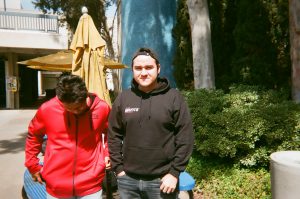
(29, 21)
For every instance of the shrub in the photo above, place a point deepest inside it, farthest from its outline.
(216, 179)
(244, 125)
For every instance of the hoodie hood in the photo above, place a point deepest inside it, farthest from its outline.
(163, 85)
(145, 104)
(94, 100)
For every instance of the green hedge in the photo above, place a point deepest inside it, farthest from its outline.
(244, 125)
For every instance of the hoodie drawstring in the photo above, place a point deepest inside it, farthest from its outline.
(91, 121)
(140, 118)
(68, 120)
(141, 111)
(149, 116)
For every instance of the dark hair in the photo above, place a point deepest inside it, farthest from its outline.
(71, 89)
(145, 51)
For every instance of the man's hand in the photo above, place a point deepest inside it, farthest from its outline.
(107, 163)
(168, 184)
(37, 177)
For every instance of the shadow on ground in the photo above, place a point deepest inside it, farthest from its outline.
(13, 145)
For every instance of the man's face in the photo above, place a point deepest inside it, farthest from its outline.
(76, 108)
(145, 72)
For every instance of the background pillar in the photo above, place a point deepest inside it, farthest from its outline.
(148, 23)
(11, 70)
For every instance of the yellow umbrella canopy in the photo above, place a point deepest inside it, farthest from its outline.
(62, 61)
(88, 53)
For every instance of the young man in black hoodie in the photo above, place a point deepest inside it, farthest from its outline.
(150, 135)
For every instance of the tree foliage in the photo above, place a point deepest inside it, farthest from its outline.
(183, 61)
(250, 41)
(254, 60)
(71, 11)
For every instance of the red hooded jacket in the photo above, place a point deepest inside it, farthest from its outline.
(74, 156)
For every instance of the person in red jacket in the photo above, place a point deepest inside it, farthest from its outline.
(76, 155)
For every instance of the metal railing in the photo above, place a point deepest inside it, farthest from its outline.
(29, 21)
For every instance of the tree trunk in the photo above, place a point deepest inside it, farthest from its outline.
(294, 18)
(201, 43)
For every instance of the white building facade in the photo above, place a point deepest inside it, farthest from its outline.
(24, 34)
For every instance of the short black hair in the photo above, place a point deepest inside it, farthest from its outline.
(71, 89)
(145, 51)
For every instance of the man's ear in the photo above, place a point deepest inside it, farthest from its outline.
(158, 69)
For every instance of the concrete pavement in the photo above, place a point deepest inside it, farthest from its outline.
(13, 130)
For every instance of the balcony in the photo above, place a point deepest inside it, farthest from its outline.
(31, 31)
(28, 21)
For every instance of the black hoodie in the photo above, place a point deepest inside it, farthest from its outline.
(150, 134)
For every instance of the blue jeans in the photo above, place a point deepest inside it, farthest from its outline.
(97, 195)
(131, 188)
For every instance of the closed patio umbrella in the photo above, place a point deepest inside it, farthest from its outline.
(88, 53)
(85, 59)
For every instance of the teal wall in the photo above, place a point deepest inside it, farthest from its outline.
(148, 23)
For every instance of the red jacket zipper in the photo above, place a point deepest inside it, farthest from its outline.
(75, 155)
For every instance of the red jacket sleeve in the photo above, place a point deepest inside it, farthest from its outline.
(34, 141)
